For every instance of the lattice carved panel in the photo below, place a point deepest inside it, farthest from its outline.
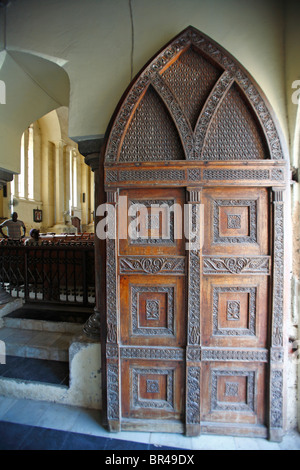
(152, 135)
(234, 133)
(191, 78)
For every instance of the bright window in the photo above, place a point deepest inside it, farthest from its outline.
(21, 178)
(30, 162)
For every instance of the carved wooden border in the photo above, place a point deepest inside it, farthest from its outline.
(236, 265)
(277, 351)
(224, 173)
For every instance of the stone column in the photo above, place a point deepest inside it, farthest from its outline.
(59, 183)
(91, 149)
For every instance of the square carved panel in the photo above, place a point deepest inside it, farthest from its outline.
(152, 310)
(233, 390)
(234, 221)
(153, 222)
(234, 311)
(152, 388)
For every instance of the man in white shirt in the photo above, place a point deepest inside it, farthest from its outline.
(13, 226)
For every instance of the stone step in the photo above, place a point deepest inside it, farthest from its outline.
(29, 370)
(43, 325)
(37, 344)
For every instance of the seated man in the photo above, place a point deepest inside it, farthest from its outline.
(13, 226)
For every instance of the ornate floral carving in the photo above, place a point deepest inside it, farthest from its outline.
(194, 299)
(236, 265)
(111, 291)
(233, 310)
(152, 309)
(113, 405)
(231, 389)
(234, 221)
(278, 274)
(193, 395)
(276, 397)
(153, 265)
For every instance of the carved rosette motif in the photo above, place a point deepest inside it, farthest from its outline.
(249, 405)
(251, 330)
(137, 329)
(252, 237)
(163, 404)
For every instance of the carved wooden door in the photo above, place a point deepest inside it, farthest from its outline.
(194, 331)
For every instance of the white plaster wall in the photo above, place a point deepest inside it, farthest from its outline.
(96, 41)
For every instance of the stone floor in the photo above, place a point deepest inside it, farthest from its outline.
(87, 422)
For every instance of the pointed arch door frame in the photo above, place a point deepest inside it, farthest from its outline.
(196, 173)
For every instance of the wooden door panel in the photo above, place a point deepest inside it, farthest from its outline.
(236, 221)
(233, 392)
(161, 228)
(152, 310)
(234, 311)
(154, 389)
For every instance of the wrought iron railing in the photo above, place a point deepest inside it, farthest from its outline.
(52, 272)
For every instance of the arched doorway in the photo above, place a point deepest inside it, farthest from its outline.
(194, 332)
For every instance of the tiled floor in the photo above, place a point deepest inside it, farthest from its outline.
(82, 429)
